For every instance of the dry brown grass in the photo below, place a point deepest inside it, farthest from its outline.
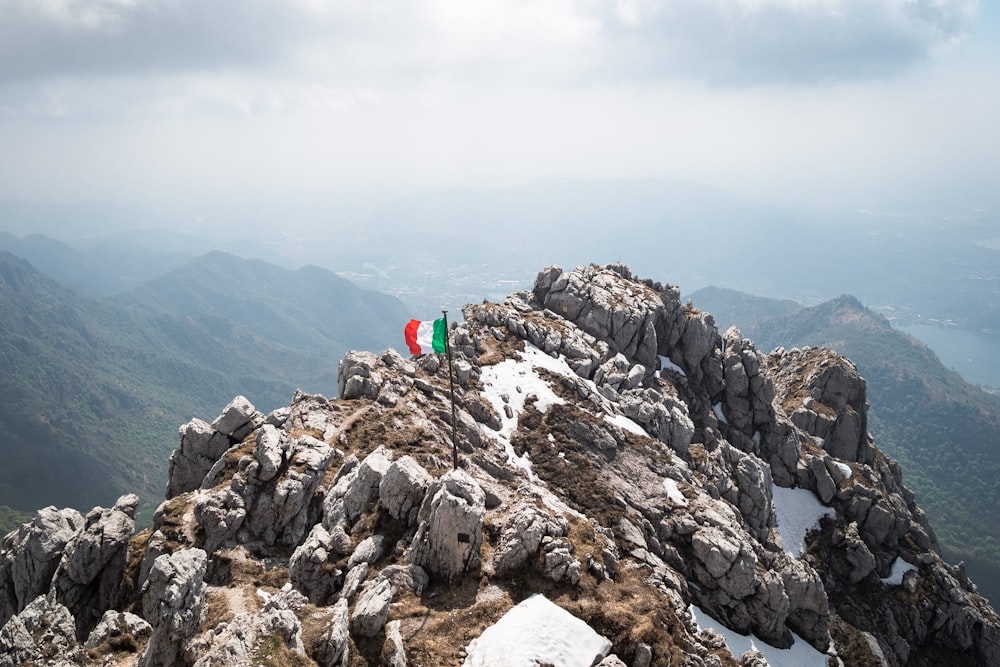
(395, 429)
(438, 625)
(629, 612)
(569, 467)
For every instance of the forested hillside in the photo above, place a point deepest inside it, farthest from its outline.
(93, 391)
(944, 431)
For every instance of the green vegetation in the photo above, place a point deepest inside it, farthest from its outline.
(93, 391)
(943, 431)
(11, 519)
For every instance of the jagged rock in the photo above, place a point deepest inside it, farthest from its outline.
(451, 526)
(558, 561)
(277, 504)
(173, 602)
(396, 654)
(825, 397)
(201, 446)
(357, 377)
(402, 489)
(334, 646)
(357, 491)
(521, 536)
(30, 555)
(238, 419)
(353, 581)
(220, 515)
(119, 628)
(683, 516)
(368, 550)
(43, 632)
(238, 644)
(372, 608)
(89, 576)
(312, 569)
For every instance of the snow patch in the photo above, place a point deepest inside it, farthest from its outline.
(899, 569)
(799, 654)
(674, 493)
(718, 413)
(626, 424)
(798, 511)
(536, 632)
(667, 365)
(844, 469)
(517, 379)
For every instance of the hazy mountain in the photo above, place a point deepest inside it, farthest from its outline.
(93, 390)
(944, 431)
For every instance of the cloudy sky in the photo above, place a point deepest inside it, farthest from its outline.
(181, 105)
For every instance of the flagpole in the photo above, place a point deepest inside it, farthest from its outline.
(451, 385)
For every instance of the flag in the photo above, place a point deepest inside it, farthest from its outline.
(426, 337)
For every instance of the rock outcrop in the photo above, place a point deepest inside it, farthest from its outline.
(618, 455)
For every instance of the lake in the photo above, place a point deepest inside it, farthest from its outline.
(975, 355)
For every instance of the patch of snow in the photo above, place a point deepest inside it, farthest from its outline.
(718, 413)
(535, 632)
(674, 493)
(551, 438)
(844, 469)
(263, 595)
(625, 423)
(517, 379)
(667, 365)
(799, 654)
(899, 568)
(798, 511)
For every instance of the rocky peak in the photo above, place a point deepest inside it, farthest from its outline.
(619, 456)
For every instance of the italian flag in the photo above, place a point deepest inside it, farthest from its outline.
(426, 337)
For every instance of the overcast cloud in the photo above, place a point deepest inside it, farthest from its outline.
(151, 101)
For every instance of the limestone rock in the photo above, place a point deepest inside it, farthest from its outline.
(372, 608)
(334, 645)
(521, 536)
(118, 627)
(312, 568)
(201, 445)
(88, 579)
(357, 376)
(42, 633)
(173, 601)
(402, 489)
(30, 555)
(451, 526)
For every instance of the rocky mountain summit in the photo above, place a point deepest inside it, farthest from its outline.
(618, 456)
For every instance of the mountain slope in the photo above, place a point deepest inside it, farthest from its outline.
(93, 390)
(944, 431)
(643, 503)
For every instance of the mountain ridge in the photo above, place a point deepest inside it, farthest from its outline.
(942, 429)
(617, 454)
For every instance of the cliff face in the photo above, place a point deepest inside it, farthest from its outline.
(618, 455)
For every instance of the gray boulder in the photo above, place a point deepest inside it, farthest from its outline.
(30, 555)
(451, 526)
(201, 446)
(118, 627)
(402, 489)
(89, 577)
(334, 645)
(173, 602)
(42, 633)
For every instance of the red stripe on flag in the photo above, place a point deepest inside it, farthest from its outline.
(411, 336)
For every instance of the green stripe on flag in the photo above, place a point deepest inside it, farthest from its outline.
(440, 334)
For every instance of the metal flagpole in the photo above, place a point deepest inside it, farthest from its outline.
(451, 385)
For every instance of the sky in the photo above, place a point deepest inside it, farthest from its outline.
(190, 106)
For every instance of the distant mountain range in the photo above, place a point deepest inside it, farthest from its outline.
(93, 390)
(944, 431)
